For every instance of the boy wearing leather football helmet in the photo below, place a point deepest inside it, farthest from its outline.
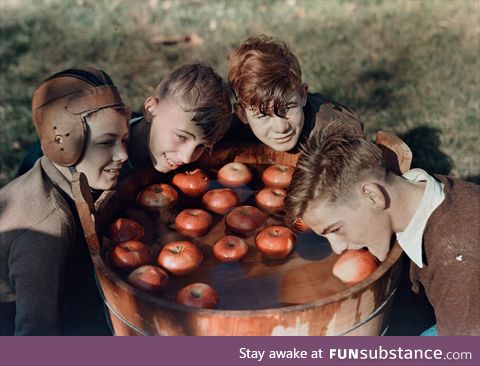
(47, 285)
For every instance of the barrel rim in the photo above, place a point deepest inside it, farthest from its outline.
(393, 257)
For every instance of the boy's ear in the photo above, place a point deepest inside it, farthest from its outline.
(375, 195)
(240, 112)
(148, 108)
(304, 93)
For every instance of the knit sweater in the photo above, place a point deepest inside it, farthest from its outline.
(451, 246)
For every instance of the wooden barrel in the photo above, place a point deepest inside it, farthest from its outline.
(294, 297)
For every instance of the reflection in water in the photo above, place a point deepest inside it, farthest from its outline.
(312, 247)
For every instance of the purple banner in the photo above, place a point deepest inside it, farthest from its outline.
(232, 351)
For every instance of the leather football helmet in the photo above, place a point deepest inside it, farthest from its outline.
(60, 105)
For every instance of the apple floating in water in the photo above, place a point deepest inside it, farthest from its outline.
(193, 222)
(275, 242)
(180, 258)
(354, 266)
(279, 176)
(125, 229)
(271, 199)
(157, 196)
(192, 183)
(198, 295)
(220, 200)
(244, 220)
(130, 254)
(230, 249)
(234, 175)
(149, 278)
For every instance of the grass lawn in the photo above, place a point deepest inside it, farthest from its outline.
(410, 66)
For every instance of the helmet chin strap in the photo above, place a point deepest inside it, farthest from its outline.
(95, 192)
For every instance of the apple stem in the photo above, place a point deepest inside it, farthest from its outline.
(196, 293)
(177, 250)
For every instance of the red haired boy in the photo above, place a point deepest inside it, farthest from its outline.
(266, 80)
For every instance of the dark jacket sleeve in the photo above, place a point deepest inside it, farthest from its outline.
(321, 110)
(453, 294)
(452, 251)
(36, 267)
(332, 111)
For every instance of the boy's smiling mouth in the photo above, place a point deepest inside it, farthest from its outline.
(284, 139)
(173, 164)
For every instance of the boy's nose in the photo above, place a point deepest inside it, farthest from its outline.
(186, 153)
(338, 246)
(280, 125)
(120, 153)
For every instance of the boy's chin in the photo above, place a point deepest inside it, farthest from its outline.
(163, 169)
(103, 186)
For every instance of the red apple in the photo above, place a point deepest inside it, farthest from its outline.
(354, 266)
(230, 249)
(193, 222)
(130, 254)
(234, 175)
(157, 196)
(125, 229)
(149, 278)
(192, 183)
(198, 295)
(275, 242)
(244, 220)
(180, 258)
(278, 176)
(271, 199)
(220, 200)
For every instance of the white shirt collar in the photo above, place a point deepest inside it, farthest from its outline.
(412, 237)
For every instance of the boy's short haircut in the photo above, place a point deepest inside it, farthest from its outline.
(332, 160)
(262, 72)
(199, 89)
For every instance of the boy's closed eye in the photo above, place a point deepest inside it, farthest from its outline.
(111, 141)
(182, 138)
(334, 228)
(106, 142)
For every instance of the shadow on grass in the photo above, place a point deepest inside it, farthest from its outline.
(381, 83)
(425, 145)
(376, 92)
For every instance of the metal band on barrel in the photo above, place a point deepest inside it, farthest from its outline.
(372, 315)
